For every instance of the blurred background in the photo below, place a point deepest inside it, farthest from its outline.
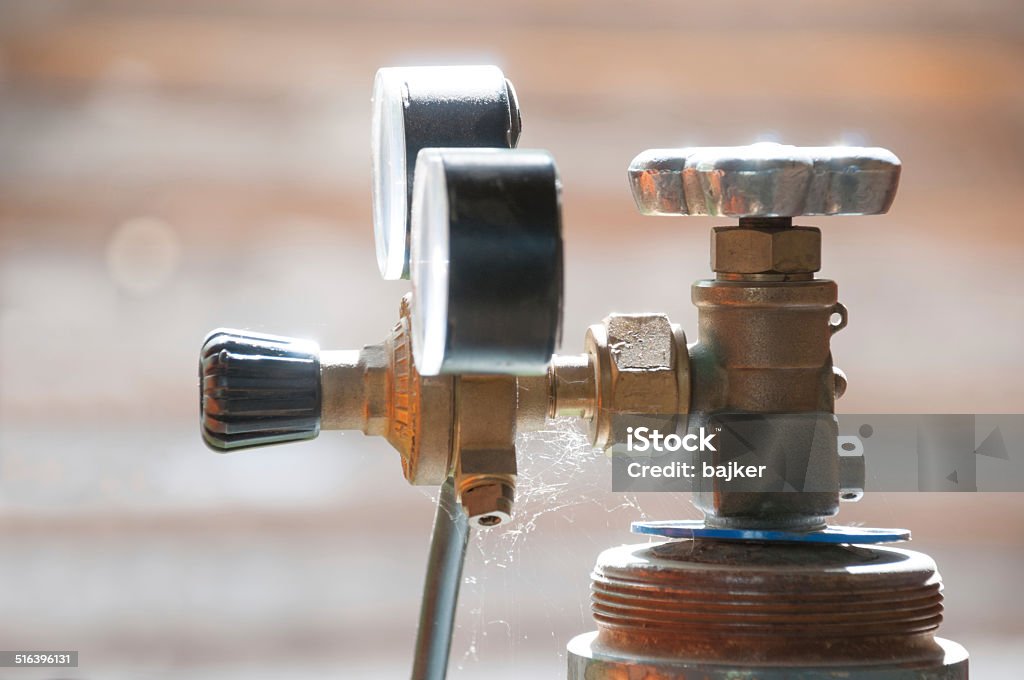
(168, 167)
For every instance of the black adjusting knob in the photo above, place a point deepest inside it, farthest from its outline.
(257, 389)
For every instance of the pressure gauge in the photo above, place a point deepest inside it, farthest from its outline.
(422, 107)
(486, 261)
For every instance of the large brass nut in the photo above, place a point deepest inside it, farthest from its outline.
(765, 250)
(642, 368)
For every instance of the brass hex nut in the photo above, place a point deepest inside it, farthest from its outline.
(642, 366)
(765, 250)
(488, 504)
(642, 369)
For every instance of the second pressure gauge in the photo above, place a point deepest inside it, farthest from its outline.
(423, 107)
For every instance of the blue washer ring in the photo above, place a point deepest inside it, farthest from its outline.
(696, 528)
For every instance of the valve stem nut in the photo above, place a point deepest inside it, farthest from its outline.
(764, 250)
(489, 503)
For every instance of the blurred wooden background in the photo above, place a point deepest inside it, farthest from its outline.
(169, 167)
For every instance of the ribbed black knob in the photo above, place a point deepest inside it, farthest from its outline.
(257, 389)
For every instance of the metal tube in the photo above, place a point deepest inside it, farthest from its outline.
(441, 588)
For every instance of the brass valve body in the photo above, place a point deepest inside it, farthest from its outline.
(763, 348)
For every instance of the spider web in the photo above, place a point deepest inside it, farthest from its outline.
(563, 490)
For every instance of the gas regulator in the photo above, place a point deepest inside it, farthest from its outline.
(764, 586)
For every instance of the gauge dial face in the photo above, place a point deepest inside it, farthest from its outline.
(390, 189)
(486, 261)
(430, 260)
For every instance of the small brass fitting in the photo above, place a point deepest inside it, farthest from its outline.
(641, 368)
(485, 446)
(488, 503)
(378, 391)
(570, 381)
